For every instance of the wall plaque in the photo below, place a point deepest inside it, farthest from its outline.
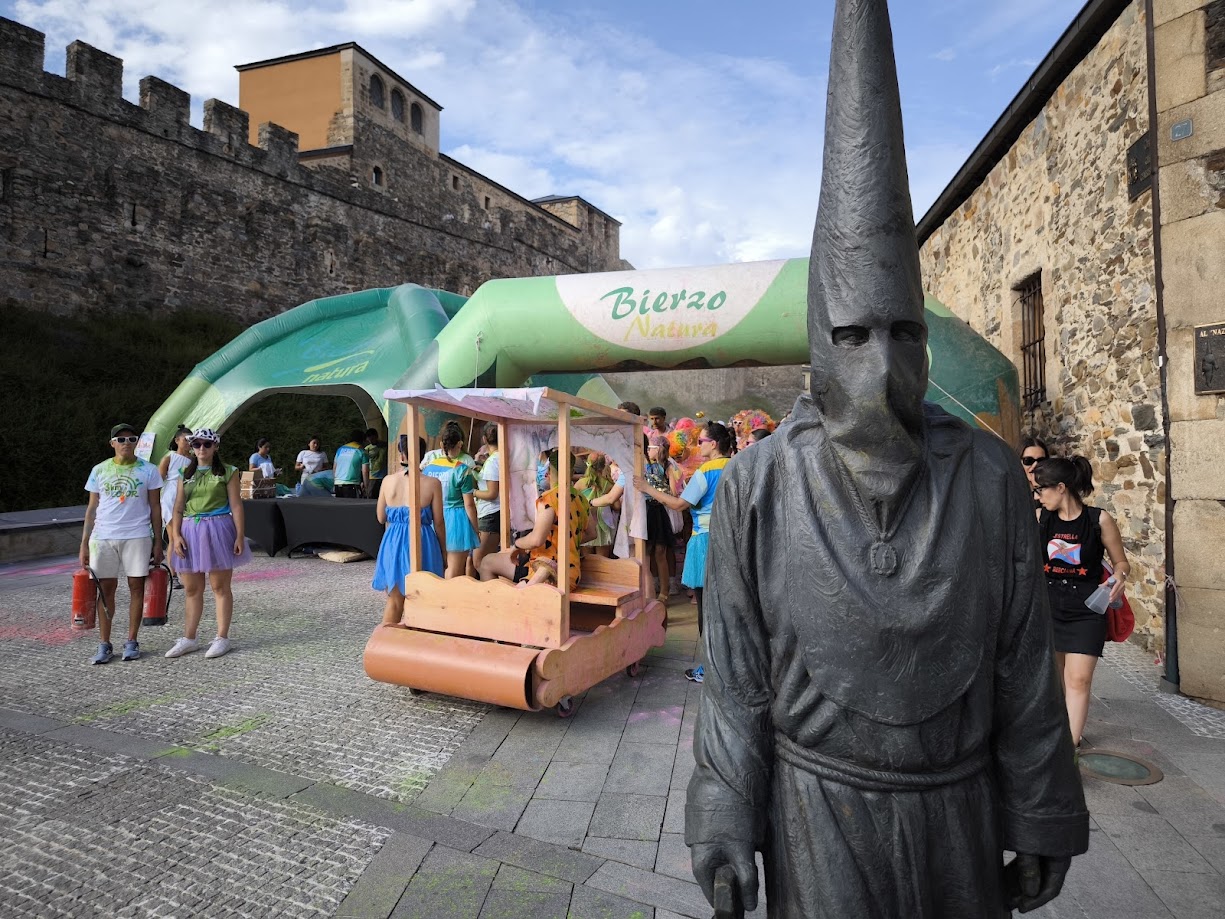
(1210, 359)
(1139, 167)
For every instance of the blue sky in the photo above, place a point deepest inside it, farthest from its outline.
(697, 124)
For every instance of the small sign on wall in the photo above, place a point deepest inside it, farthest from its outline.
(144, 446)
(1210, 359)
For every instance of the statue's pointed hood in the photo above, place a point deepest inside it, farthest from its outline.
(866, 327)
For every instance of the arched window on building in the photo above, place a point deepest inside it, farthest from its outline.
(416, 119)
(376, 91)
(397, 105)
(376, 177)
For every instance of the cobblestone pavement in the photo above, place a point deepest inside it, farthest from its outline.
(280, 781)
(292, 696)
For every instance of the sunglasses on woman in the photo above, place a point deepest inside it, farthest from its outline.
(197, 444)
(1030, 460)
(706, 440)
(127, 440)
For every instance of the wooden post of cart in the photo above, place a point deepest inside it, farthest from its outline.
(504, 484)
(563, 514)
(413, 420)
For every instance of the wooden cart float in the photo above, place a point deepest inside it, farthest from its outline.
(527, 648)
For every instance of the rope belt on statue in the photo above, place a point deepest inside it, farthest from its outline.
(865, 779)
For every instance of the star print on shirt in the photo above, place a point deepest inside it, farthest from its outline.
(1083, 572)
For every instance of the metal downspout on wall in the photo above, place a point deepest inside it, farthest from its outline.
(1170, 681)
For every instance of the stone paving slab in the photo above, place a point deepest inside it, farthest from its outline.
(449, 883)
(540, 857)
(589, 903)
(382, 884)
(564, 823)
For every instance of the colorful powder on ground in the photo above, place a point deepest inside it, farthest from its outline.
(52, 636)
(264, 574)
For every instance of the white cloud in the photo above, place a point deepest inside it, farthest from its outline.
(704, 159)
(1003, 67)
(945, 54)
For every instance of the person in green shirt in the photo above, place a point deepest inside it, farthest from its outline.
(207, 535)
(376, 452)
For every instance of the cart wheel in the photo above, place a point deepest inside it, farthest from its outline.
(633, 669)
(565, 707)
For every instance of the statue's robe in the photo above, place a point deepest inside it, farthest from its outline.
(881, 740)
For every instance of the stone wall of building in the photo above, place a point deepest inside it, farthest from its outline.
(107, 205)
(1057, 204)
(1189, 44)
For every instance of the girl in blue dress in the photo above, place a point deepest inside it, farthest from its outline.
(715, 446)
(458, 504)
(394, 512)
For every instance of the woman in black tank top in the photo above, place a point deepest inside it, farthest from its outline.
(1075, 537)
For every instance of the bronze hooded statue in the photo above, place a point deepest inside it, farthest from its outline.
(881, 716)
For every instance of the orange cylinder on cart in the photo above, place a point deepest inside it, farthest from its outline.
(157, 596)
(84, 600)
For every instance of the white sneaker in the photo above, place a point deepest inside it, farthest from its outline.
(183, 646)
(218, 647)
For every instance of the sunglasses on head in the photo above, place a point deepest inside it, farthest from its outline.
(197, 444)
(1030, 460)
(132, 439)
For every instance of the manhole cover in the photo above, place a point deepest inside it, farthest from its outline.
(1119, 768)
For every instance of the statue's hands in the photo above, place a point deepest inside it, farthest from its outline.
(709, 857)
(1031, 881)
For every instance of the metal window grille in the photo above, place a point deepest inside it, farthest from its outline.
(1033, 343)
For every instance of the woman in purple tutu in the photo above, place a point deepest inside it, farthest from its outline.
(207, 535)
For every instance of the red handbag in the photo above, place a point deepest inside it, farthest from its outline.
(1121, 622)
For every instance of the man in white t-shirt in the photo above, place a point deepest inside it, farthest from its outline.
(123, 514)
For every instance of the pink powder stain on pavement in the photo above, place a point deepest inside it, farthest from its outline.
(670, 714)
(52, 636)
(266, 574)
(25, 571)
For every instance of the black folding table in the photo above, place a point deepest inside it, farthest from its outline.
(331, 521)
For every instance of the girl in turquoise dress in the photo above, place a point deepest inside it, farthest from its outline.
(393, 509)
(458, 505)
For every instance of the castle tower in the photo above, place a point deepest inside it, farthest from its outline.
(317, 95)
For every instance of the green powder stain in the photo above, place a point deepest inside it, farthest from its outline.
(124, 708)
(212, 741)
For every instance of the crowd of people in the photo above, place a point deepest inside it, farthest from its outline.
(460, 516)
(193, 498)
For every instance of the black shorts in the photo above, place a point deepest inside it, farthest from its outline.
(520, 573)
(490, 523)
(348, 491)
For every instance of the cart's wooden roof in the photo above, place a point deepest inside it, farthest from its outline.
(536, 405)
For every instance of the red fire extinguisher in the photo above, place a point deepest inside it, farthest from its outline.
(86, 592)
(157, 596)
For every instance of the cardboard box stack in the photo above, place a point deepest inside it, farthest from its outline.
(254, 485)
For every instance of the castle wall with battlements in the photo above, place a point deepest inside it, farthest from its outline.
(110, 205)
